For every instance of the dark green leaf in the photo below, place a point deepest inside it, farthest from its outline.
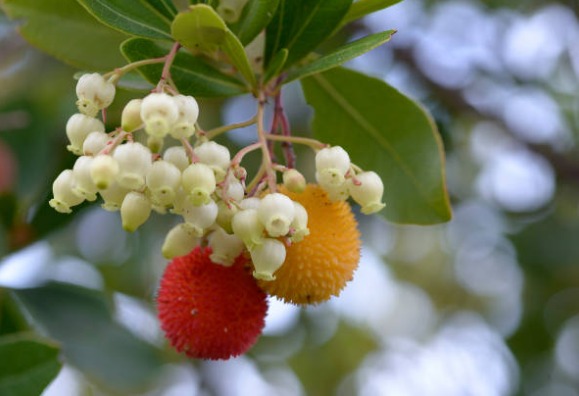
(255, 17)
(234, 50)
(66, 31)
(275, 65)
(12, 319)
(365, 7)
(200, 28)
(301, 26)
(165, 7)
(28, 364)
(137, 17)
(341, 55)
(386, 132)
(192, 75)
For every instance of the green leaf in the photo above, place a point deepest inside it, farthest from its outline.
(192, 75)
(365, 7)
(255, 17)
(200, 28)
(137, 17)
(275, 65)
(165, 7)
(341, 55)
(388, 133)
(66, 31)
(28, 364)
(234, 50)
(301, 26)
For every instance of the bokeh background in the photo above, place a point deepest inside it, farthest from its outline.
(485, 305)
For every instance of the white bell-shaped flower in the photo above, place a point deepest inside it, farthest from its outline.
(216, 156)
(200, 218)
(159, 113)
(64, 198)
(94, 93)
(267, 258)
(198, 181)
(104, 171)
(177, 155)
(248, 228)
(131, 116)
(300, 223)
(135, 210)
(163, 180)
(113, 197)
(235, 191)
(225, 247)
(331, 166)
(78, 127)
(276, 212)
(368, 193)
(294, 181)
(225, 215)
(181, 240)
(250, 203)
(134, 162)
(184, 127)
(180, 200)
(95, 142)
(337, 193)
(83, 184)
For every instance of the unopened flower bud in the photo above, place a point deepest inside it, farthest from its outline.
(300, 223)
(250, 203)
(225, 215)
(64, 198)
(248, 228)
(95, 142)
(276, 212)
(368, 193)
(199, 182)
(131, 116)
(155, 144)
(159, 112)
(181, 240)
(177, 156)
(230, 10)
(104, 170)
(135, 210)
(331, 166)
(200, 218)
(184, 127)
(163, 179)
(113, 196)
(78, 127)
(134, 162)
(94, 93)
(216, 156)
(225, 247)
(267, 258)
(83, 184)
(235, 191)
(294, 181)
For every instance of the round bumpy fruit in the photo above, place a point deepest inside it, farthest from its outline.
(319, 266)
(210, 311)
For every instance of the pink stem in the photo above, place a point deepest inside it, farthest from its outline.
(190, 150)
(166, 74)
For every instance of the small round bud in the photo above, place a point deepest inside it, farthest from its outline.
(235, 191)
(184, 127)
(248, 228)
(331, 166)
(155, 144)
(225, 247)
(64, 198)
(267, 258)
(216, 156)
(159, 112)
(83, 184)
(103, 171)
(368, 193)
(78, 127)
(294, 181)
(250, 203)
(163, 180)
(135, 210)
(200, 218)
(230, 10)
(199, 182)
(276, 212)
(225, 215)
(300, 223)
(94, 93)
(134, 162)
(177, 156)
(94, 143)
(131, 116)
(180, 241)
(113, 197)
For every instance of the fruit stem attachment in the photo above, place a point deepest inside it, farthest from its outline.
(316, 145)
(212, 133)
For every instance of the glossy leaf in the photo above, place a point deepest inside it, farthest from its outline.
(255, 17)
(342, 55)
(388, 133)
(364, 7)
(136, 17)
(234, 50)
(275, 65)
(200, 28)
(302, 25)
(28, 364)
(192, 75)
(68, 32)
(165, 7)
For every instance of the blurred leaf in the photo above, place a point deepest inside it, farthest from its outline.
(255, 17)
(27, 366)
(66, 31)
(200, 28)
(8, 206)
(365, 7)
(80, 319)
(386, 132)
(341, 55)
(166, 7)
(301, 26)
(192, 75)
(11, 319)
(275, 65)
(234, 50)
(137, 17)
